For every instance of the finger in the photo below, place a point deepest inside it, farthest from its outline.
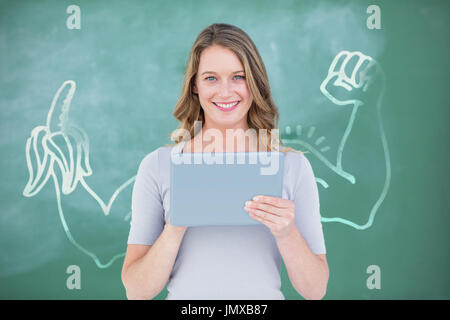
(263, 220)
(267, 216)
(336, 65)
(358, 69)
(265, 207)
(274, 201)
(341, 81)
(359, 77)
(351, 66)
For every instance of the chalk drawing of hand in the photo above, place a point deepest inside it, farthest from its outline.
(353, 79)
(62, 147)
(350, 74)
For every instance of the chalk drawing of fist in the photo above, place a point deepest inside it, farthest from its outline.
(350, 75)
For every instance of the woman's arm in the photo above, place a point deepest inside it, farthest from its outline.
(296, 227)
(146, 269)
(307, 272)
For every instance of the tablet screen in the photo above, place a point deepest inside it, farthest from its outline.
(210, 189)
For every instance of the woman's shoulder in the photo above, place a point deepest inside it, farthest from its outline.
(150, 160)
(156, 162)
(161, 149)
(295, 159)
(160, 155)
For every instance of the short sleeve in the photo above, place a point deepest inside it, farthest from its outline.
(147, 211)
(307, 208)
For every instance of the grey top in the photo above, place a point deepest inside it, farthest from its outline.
(232, 262)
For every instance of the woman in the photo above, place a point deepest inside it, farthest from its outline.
(226, 88)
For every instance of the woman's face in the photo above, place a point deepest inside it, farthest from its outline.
(222, 89)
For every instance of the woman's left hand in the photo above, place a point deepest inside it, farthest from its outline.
(275, 213)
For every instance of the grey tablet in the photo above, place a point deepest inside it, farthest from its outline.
(210, 189)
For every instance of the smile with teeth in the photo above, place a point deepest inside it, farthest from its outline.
(226, 105)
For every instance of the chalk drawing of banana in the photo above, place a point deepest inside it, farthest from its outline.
(43, 153)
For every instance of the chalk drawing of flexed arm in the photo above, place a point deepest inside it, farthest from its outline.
(352, 77)
(362, 78)
(45, 152)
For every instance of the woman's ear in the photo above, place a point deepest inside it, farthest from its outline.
(194, 86)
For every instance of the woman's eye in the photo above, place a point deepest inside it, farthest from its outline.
(210, 78)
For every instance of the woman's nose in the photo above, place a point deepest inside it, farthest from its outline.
(225, 89)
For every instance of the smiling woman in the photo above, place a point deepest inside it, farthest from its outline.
(226, 90)
(222, 93)
(226, 87)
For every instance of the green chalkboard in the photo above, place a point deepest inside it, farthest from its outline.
(87, 89)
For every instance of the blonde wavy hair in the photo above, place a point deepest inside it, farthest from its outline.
(263, 113)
